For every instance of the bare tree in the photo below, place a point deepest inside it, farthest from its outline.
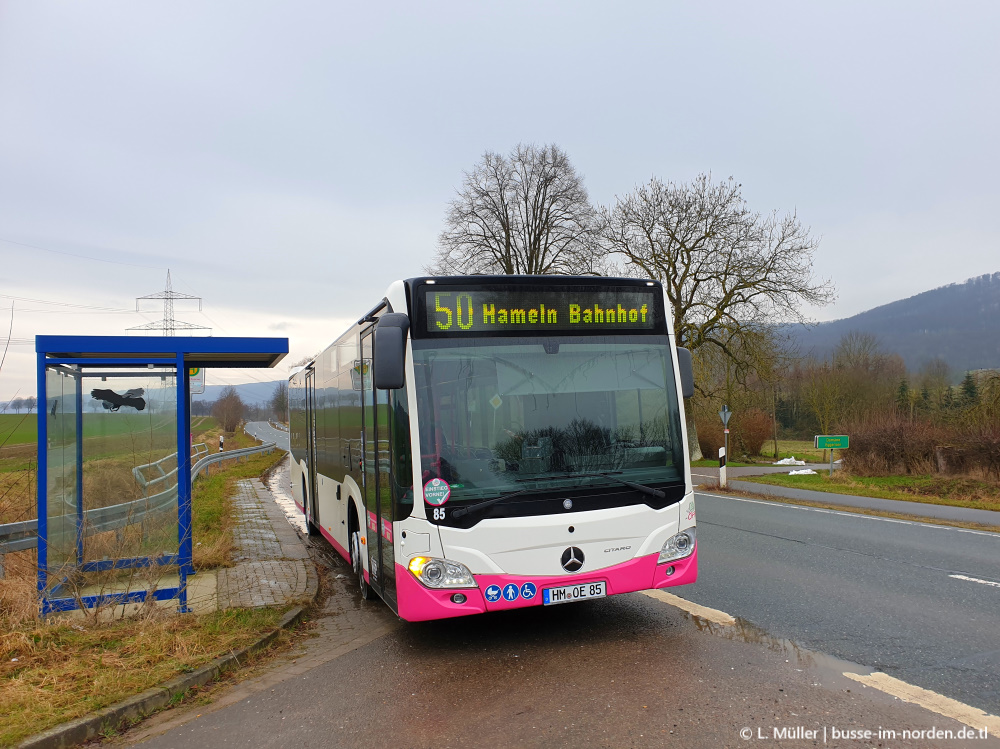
(824, 394)
(729, 272)
(30, 402)
(279, 401)
(524, 213)
(17, 404)
(868, 374)
(228, 409)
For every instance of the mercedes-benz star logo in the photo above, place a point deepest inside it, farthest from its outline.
(572, 559)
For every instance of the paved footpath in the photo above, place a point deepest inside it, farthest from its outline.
(273, 564)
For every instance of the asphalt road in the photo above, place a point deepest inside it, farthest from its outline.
(879, 592)
(635, 671)
(264, 431)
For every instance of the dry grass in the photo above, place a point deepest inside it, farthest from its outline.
(18, 590)
(56, 672)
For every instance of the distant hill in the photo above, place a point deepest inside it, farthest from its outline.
(251, 392)
(960, 323)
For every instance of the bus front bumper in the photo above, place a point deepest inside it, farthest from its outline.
(418, 603)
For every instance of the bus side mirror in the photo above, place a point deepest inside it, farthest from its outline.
(687, 371)
(390, 351)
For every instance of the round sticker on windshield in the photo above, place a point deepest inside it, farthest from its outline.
(436, 492)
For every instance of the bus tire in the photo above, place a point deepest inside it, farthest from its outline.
(311, 527)
(366, 591)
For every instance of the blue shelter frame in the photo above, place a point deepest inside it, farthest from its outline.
(78, 356)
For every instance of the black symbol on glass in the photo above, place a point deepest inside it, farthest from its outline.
(112, 401)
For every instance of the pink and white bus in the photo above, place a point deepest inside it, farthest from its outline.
(484, 443)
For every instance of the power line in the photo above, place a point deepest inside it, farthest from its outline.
(82, 257)
(62, 304)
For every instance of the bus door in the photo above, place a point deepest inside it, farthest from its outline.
(377, 488)
(310, 501)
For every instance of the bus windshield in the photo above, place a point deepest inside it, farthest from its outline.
(500, 415)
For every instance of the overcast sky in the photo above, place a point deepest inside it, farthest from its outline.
(288, 160)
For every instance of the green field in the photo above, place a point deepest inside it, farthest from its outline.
(21, 429)
(800, 449)
(18, 429)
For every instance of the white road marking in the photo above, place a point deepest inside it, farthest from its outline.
(937, 703)
(925, 698)
(712, 615)
(975, 580)
(851, 515)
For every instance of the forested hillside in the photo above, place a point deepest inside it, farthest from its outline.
(959, 323)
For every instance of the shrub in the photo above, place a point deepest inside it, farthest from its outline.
(979, 445)
(710, 436)
(753, 429)
(889, 442)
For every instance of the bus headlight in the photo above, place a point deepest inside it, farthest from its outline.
(677, 546)
(440, 573)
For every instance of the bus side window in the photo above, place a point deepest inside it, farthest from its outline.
(402, 465)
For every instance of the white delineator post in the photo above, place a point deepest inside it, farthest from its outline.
(724, 414)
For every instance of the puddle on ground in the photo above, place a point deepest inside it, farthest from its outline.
(830, 670)
(280, 487)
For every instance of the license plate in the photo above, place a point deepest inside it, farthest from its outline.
(569, 593)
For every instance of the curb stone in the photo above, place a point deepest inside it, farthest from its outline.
(145, 703)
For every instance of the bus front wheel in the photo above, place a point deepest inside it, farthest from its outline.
(359, 570)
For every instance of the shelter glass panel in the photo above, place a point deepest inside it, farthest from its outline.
(112, 475)
(63, 485)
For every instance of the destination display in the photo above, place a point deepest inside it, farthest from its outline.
(450, 310)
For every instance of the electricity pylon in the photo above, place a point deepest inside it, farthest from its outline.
(169, 325)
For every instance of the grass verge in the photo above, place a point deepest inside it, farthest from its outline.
(706, 463)
(57, 672)
(52, 672)
(715, 489)
(937, 490)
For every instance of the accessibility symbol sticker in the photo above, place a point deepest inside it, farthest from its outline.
(510, 592)
(436, 492)
(493, 593)
(528, 591)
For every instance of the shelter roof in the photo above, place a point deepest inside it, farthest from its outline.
(214, 352)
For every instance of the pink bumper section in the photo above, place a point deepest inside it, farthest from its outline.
(418, 603)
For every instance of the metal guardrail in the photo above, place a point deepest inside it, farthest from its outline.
(139, 472)
(24, 534)
(243, 452)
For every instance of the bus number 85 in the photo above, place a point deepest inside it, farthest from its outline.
(462, 314)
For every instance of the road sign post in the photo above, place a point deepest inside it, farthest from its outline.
(724, 414)
(831, 442)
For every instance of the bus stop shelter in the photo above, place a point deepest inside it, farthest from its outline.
(114, 463)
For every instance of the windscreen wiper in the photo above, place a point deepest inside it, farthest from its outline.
(486, 503)
(630, 484)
